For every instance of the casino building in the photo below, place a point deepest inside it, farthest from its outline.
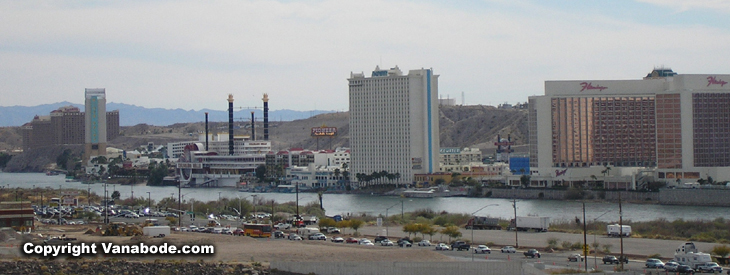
(667, 127)
(394, 123)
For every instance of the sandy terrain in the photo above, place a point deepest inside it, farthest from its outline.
(246, 249)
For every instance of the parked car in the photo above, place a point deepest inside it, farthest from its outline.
(654, 263)
(482, 249)
(685, 269)
(366, 242)
(610, 259)
(671, 266)
(460, 245)
(338, 240)
(424, 243)
(575, 257)
(386, 242)
(351, 240)
(709, 267)
(508, 249)
(379, 238)
(442, 246)
(360, 241)
(333, 230)
(404, 243)
(318, 236)
(277, 234)
(294, 237)
(532, 253)
(282, 226)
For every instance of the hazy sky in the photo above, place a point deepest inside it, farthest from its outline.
(192, 54)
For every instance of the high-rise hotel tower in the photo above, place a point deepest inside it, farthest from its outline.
(95, 140)
(394, 123)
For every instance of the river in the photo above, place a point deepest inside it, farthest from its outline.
(374, 205)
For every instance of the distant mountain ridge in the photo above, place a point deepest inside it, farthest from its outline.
(130, 115)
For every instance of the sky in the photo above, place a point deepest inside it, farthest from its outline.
(192, 54)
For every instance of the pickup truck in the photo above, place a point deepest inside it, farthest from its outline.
(532, 253)
(460, 245)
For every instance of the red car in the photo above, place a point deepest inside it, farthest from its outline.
(238, 232)
(351, 240)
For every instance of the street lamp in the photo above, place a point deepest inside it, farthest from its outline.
(472, 225)
(149, 201)
(386, 219)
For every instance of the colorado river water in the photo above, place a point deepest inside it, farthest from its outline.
(374, 205)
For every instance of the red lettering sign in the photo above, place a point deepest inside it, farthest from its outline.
(559, 173)
(589, 86)
(711, 80)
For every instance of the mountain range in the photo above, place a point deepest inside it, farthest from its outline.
(130, 115)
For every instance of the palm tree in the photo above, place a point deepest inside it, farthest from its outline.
(337, 173)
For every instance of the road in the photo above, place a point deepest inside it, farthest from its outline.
(632, 246)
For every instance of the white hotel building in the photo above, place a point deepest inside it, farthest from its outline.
(666, 127)
(394, 122)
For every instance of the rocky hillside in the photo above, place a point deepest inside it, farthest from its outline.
(461, 126)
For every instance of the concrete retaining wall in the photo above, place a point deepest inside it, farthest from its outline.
(700, 197)
(696, 197)
(551, 194)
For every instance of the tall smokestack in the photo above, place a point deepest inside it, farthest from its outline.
(230, 124)
(253, 127)
(206, 131)
(266, 116)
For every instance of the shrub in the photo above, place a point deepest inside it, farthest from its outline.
(566, 244)
(656, 255)
(577, 246)
(721, 250)
(552, 243)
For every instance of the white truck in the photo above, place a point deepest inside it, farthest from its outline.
(539, 224)
(156, 231)
(304, 232)
(614, 230)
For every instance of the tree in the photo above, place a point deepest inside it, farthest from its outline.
(116, 195)
(337, 173)
(525, 180)
(355, 224)
(343, 224)
(429, 230)
(410, 228)
(261, 172)
(452, 231)
(327, 222)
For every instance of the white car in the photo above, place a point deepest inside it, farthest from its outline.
(482, 249)
(424, 243)
(386, 242)
(442, 246)
(363, 240)
(366, 242)
(508, 249)
(338, 240)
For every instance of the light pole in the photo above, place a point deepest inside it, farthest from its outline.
(386, 219)
(472, 225)
(595, 261)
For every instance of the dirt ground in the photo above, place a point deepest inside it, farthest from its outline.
(245, 249)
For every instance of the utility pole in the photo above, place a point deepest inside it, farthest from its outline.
(514, 205)
(621, 230)
(179, 205)
(585, 241)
